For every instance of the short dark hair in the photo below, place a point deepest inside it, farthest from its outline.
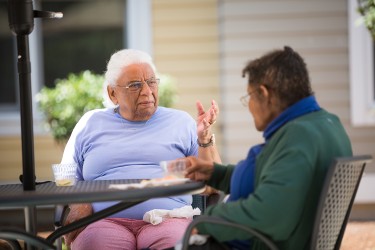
(283, 71)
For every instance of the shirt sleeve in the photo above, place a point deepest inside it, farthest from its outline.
(70, 152)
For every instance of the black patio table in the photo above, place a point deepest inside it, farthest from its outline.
(89, 191)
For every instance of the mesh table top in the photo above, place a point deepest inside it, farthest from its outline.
(88, 191)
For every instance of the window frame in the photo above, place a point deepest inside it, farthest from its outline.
(10, 119)
(361, 68)
(10, 124)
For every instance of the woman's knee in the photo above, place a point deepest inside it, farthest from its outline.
(163, 235)
(104, 234)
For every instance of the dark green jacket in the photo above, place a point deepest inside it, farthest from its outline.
(290, 172)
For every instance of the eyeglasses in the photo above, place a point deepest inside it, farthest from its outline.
(246, 98)
(138, 85)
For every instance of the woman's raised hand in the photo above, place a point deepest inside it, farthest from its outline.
(205, 120)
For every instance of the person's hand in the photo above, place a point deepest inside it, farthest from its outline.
(209, 190)
(198, 169)
(205, 120)
(194, 231)
(77, 211)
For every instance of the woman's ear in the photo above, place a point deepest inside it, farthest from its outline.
(264, 92)
(112, 94)
(270, 98)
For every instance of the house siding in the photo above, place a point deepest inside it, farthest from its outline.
(46, 152)
(186, 46)
(318, 30)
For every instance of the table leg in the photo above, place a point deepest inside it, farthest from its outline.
(30, 222)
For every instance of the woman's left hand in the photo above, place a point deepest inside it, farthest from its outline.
(205, 120)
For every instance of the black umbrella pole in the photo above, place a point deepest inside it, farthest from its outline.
(24, 74)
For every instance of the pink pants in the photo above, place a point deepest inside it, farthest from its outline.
(128, 234)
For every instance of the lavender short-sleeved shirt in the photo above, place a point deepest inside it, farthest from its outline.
(107, 146)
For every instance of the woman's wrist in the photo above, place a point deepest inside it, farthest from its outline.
(206, 142)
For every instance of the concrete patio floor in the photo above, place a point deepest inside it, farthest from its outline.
(359, 235)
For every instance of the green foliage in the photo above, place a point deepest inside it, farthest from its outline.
(64, 105)
(167, 91)
(367, 10)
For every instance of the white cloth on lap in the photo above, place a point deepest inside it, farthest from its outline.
(195, 239)
(156, 216)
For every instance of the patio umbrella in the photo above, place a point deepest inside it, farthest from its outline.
(21, 21)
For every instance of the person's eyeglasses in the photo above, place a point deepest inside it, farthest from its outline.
(136, 86)
(246, 98)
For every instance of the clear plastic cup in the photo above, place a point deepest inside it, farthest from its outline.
(65, 174)
(174, 167)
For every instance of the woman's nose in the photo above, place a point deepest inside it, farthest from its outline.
(145, 89)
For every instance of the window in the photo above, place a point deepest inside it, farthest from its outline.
(8, 90)
(90, 31)
(362, 85)
(84, 38)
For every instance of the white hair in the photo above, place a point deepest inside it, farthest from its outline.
(115, 66)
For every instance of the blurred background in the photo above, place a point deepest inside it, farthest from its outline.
(203, 45)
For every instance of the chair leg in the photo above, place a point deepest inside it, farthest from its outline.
(58, 244)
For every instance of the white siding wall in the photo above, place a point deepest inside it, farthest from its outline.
(316, 29)
(185, 39)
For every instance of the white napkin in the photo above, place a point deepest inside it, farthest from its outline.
(127, 186)
(156, 216)
(150, 183)
(195, 239)
(198, 239)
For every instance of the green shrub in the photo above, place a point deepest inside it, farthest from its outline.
(167, 91)
(367, 10)
(64, 105)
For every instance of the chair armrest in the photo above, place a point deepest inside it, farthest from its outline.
(215, 198)
(216, 220)
(61, 211)
(199, 201)
(16, 234)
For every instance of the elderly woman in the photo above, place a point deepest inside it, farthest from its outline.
(127, 140)
(275, 189)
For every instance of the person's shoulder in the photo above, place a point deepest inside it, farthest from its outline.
(317, 117)
(171, 112)
(95, 113)
(179, 118)
(318, 122)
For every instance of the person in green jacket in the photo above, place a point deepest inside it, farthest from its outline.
(275, 190)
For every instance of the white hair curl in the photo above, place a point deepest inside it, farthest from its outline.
(117, 63)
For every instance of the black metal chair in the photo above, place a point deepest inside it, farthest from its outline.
(13, 236)
(337, 198)
(333, 211)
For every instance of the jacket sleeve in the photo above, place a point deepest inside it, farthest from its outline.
(281, 190)
(220, 178)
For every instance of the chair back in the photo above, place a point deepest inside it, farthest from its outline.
(336, 201)
(199, 201)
